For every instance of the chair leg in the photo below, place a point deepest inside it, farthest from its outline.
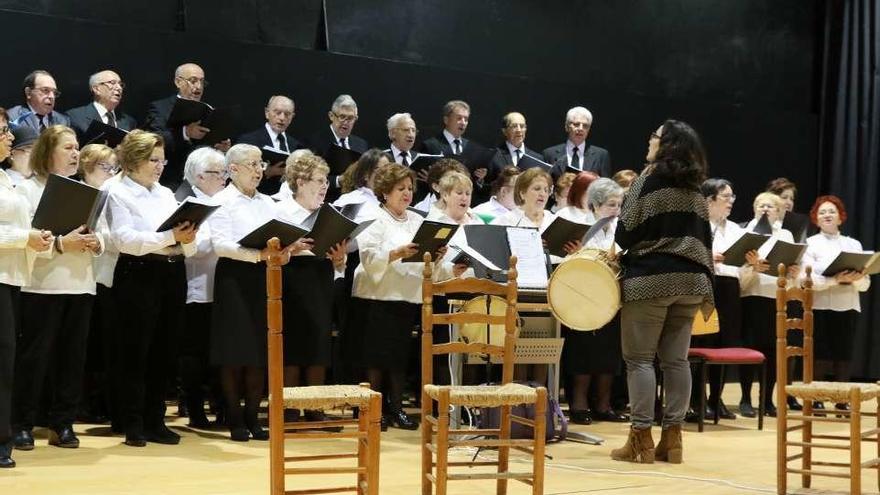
(878, 441)
(427, 439)
(503, 451)
(374, 434)
(540, 438)
(442, 441)
(807, 437)
(702, 413)
(363, 450)
(716, 405)
(762, 393)
(781, 448)
(855, 441)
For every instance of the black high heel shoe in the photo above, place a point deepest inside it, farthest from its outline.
(580, 416)
(402, 420)
(6, 456)
(793, 404)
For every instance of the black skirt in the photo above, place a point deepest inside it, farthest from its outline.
(833, 333)
(759, 325)
(238, 322)
(308, 311)
(592, 352)
(728, 303)
(384, 332)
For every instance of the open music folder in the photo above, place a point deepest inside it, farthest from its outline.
(332, 226)
(735, 255)
(221, 120)
(287, 233)
(67, 204)
(562, 231)
(192, 210)
(430, 237)
(867, 261)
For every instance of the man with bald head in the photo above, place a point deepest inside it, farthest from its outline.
(40, 93)
(511, 151)
(189, 79)
(107, 88)
(279, 112)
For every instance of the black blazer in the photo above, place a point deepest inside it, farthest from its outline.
(176, 148)
(595, 159)
(82, 117)
(502, 158)
(439, 145)
(259, 138)
(320, 143)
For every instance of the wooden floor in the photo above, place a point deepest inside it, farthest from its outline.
(732, 458)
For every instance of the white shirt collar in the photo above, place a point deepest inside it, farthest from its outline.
(396, 153)
(449, 137)
(273, 135)
(570, 146)
(512, 148)
(138, 190)
(102, 111)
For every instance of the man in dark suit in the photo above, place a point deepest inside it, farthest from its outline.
(576, 153)
(279, 114)
(343, 115)
(107, 88)
(513, 126)
(190, 81)
(40, 93)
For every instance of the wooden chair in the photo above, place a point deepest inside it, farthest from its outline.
(316, 397)
(808, 390)
(435, 429)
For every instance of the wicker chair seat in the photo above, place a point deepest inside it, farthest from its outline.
(326, 396)
(831, 391)
(485, 395)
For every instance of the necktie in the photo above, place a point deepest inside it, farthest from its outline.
(111, 119)
(518, 155)
(282, 143)
(342, 143)
(457, 143)
(405, 155)
(41, 122)
(575, 159)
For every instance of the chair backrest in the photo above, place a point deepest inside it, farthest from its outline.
(785, 322)
(468, 287)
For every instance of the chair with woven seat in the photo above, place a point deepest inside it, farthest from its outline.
(320, 397)
(852, 394)
(436, 432)
(703, 357)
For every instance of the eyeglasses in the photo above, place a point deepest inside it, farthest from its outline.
(195, 81)
(156, 161)
(108, 168)
(654, 135)
(48, 91)
(112, 83)
(727, 197)
(257, 164)
(221, 174)
(320, 180)
(345, 118)
(516, 126)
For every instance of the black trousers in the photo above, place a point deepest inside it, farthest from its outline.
(9, 325)
(194, 345)
(152, 296)
(53, 339)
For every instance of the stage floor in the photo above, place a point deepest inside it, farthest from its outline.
(731, 458)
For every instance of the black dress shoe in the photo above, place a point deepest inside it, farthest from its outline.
(401, 420)
(64, 438)
(580, 416)
(319, 416)
(818, 407)
(240, 434)
(161, 434)
(724, 412)
(23, 440)
(746, 409)
(135, 439)
(692, 416)
(6, 456)
(610, 415)
(770, 410)
(793, 404)
(383, 424)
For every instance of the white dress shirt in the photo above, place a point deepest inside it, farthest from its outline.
(492, 207)
(395, 152)
(102, 112)
(426, 203)
(512, 149)
(337, 138)
(763, 284)
(604, 238)
(274, 135)
(16, 259)
(518, 218)
(377, 279)
(201, 266)
(576, 214)
(724, 235)
(451, 140)
(366, 197)
(69, 273)
(135, 212)
(238, 217)
(459, 238)
(821, 251)
(569, 147)
(15, 176)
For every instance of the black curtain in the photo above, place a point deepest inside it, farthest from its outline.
(849, 145)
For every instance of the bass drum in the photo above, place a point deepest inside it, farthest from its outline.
(583, 291)
(476, 332)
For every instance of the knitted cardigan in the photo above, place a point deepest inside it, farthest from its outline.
(668, 241)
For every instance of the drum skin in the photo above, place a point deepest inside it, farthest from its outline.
(476, 332)
(583, 291)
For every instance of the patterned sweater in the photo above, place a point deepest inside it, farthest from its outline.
(668, 241)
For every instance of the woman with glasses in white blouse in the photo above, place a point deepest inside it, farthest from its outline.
(150, 286)
(56, 307)
(19, 244)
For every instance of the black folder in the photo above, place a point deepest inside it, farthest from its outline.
(287, 233)
(735, 255)
(430, 237)
(762, 226)
(562, 231)
(101, 133)
(423, 162)
(491, 242)
(528, 161)
(190, 210)
(67, 204)
(332, 227)
(350, 210)
(787, 253)
(274, 155)
(475, 156)
(845, 261)
(339, 158)
(221, 121)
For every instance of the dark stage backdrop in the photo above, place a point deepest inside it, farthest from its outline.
(743, 73)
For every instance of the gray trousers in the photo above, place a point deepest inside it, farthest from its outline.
(661, 327)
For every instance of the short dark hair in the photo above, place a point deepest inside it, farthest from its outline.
(681, 156)
(504, 177)
(31, 79)
(365, 166)
(780, 184)
(450, 106)
(712, 186)
(443, 165)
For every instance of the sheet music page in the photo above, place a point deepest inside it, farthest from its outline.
(526, 245)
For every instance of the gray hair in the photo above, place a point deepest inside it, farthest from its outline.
(343, 101)
(450, 107)
(239, 152)
(199, 160)
(578, 111)
(279, 97)
(396, 119)
(93, 79)
(600, 191)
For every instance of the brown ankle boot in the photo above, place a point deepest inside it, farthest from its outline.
(669, 449)
(639, 447)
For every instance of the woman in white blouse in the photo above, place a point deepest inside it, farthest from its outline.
(238, 325)
(19, 244)
(836, 299)
(501, 201)
(578, 207)
(150, 286)
(758, 292)
(56, 307)
(387, 291)
(308, 281)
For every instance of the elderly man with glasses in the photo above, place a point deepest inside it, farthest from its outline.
(279, 112)
(41, 94)
(343, 116)
(107, 88)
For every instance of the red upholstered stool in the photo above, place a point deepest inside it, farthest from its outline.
(703, 357)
